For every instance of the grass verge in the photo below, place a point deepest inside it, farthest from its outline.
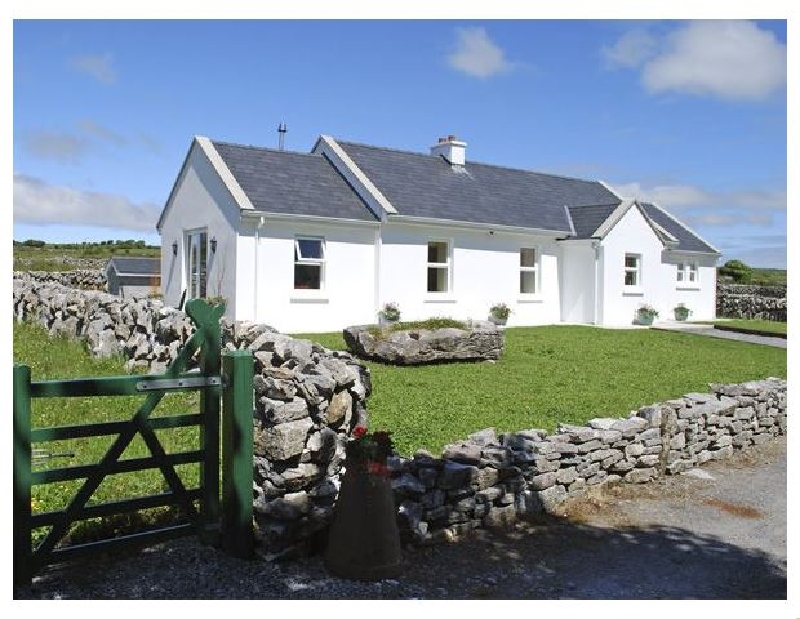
(549, 375)
(765, 326)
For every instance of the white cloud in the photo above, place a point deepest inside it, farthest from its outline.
(90, 127)
(700, 207)
(96, 66)
(477, 55)
(734, 60)
(631, 50)
(54, 145)
(38, 202)
(686, 196)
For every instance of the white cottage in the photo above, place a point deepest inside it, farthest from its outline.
(318, 241)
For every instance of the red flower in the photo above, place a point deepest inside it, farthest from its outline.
(359, 431)
(377, 468)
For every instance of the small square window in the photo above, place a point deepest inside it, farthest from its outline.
(309, 264)
(633, 263)
(438, 279)
(528, 270)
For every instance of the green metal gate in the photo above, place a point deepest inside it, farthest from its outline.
(226, 377)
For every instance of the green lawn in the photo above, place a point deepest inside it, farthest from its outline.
(48, 258)
(769, 326)
(61, 358)
(553, 374)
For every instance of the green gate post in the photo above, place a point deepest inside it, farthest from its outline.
(237, 453)
(22, 475)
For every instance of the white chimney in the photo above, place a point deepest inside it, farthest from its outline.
(451, 149)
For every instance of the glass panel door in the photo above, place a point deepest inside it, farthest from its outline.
(197, 264)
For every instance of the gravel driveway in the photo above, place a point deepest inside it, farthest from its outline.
(719, 533)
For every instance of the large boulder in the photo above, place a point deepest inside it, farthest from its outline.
(480, 341)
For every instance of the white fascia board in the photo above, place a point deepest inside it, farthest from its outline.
(337, 155)
(256, 216)
(569, 219)
(680, 223)
(612, 219)
(225, 174)
(468, 225)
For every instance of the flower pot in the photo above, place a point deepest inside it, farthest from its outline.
(644, 319)
(498, 321)
(385, 322)
(681, 314)
(364, 541)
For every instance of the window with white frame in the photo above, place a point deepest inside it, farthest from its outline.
(528, 271)
(309, 263)
(633, 270)
(438, 266)
(687, 272)
(197, 263)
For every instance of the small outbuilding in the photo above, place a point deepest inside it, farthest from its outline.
(133, 277)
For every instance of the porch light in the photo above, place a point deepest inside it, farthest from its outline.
(174, 248)
(214, 245)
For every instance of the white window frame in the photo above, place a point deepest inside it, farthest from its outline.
(537, 281)
(688, 275)
(448, 264)
(637, 270)
(300, 260)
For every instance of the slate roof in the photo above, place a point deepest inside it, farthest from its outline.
(687, 240)
(427, 186)
(587, 219)
(136, 266)
(421, 185)
(292, 183)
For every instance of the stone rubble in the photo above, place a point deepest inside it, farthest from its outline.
(754, 302)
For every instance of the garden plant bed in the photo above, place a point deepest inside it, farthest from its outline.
(413, 344)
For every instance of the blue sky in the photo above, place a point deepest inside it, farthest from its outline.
(691, 114)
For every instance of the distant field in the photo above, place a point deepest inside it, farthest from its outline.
(49, 257)
(768, 277)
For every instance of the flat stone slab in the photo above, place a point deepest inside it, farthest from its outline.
(480, 342)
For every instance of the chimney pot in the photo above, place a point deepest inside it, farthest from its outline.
(451, 149)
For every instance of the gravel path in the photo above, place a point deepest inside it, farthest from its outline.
(710, 331)
(719, 533)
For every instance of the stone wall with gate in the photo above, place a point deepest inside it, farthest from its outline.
(308, 399)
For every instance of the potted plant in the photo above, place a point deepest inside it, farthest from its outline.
(645, 314)
(390, 314)
(681, 312)
(498, 313)
(364, 541)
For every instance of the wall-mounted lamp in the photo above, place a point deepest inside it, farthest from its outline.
(214, 245)
(174, 248)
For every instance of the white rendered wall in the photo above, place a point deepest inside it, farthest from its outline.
(200, 200)
(266, 286)
(484, 271)
(577, 282)
(658, 287)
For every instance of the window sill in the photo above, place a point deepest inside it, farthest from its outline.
(434, 298)
(534, 298)
(633, 291)
(308, 296)
(687, 287)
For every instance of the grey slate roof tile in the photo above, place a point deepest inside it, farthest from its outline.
(421, 185)
(292, 183)
(688, 240)
(138, 266)
(587, 219)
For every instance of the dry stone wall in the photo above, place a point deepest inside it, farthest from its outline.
(748, 301)
(307, 398)
(490, 480)
(84, 279)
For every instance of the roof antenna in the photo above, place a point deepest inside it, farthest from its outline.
(281, 135)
